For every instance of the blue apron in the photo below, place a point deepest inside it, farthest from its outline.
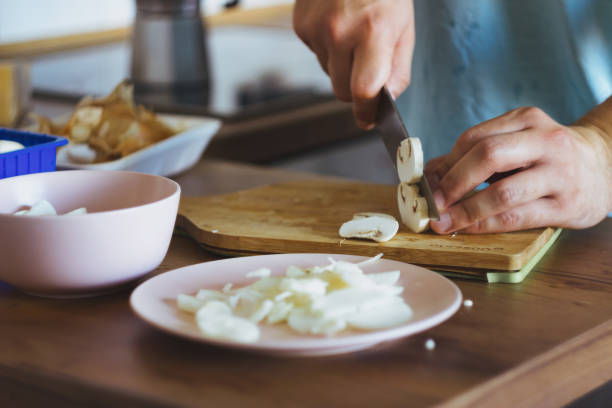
(477, 59)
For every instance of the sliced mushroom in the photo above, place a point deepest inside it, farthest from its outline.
(412, 207)
(372, 214)
(410, 160)
(378, 228)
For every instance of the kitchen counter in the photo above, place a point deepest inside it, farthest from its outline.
(543, 342)
(315, 134)
(274, 99)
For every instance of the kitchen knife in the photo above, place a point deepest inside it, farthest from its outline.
(391, 127)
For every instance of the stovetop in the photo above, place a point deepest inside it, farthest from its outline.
(254, 71)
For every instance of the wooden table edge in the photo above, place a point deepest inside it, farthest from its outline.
(553, 378)
(55, 389)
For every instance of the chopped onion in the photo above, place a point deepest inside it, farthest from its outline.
(319, 300)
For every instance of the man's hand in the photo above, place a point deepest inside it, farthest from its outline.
(362, 45)
(560, 176)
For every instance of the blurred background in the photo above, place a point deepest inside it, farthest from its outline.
(239, 61)
(22, 20)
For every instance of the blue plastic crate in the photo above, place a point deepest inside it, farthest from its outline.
(37, 157)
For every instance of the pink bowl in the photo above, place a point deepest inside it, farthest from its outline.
(124, 236)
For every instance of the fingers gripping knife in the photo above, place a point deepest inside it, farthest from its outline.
(392, 130)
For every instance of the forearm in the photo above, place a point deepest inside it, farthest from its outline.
(599, 119)
(596, 128)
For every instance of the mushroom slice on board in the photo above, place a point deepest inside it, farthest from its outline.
(410, 160)
(378, 228)
(372, 214)
(412, 207)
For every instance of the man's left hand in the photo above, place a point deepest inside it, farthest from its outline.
(560, 176)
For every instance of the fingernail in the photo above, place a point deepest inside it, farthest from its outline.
(444, 224)
(434, 181)
(438, 197)
(365, 125)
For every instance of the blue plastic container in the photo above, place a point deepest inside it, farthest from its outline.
(37, 157)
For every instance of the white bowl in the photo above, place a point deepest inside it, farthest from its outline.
(166, 158)
(124, 236)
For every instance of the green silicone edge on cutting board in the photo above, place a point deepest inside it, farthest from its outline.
(497, 277)
(458, 275)
(509, 277)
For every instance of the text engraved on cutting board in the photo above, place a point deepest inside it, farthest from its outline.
(466, 247)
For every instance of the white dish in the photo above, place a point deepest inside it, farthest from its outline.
(166, 158)
(432, 297)
(124, 236)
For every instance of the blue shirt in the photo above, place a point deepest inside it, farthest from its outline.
(477, 59)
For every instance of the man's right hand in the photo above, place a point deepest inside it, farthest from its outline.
(362, 45)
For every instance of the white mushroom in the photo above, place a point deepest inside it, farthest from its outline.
(372, 214)
(412, 207)
(410, 160)
(378, 228)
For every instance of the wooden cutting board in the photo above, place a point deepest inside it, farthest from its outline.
(305, 216)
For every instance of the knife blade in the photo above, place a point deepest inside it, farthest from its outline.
(392, 130)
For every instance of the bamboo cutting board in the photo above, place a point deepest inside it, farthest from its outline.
(305, 216)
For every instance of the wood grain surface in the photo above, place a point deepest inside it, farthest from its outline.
(94, 352)
(589, 362)
(305, 216)
(543, 342)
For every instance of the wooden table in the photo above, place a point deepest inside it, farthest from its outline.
(543, 342)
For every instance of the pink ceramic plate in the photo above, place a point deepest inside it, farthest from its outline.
(432, 297)
(124, 236)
